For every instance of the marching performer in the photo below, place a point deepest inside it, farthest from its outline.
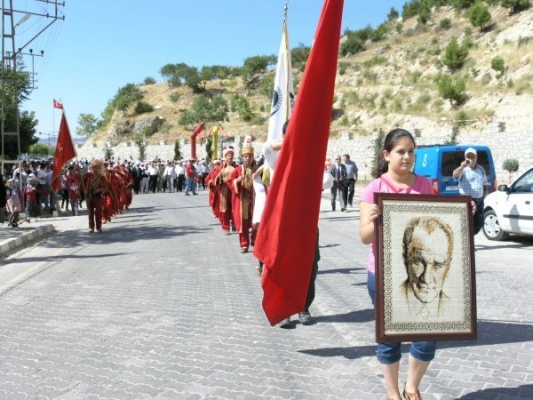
(242, 186)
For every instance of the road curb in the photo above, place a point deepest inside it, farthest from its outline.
(14, 243)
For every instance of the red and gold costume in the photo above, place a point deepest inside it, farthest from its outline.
(224, 193)
(95, 187)
(111, 197)
(128, 185)
(210, 182)
(242, 187)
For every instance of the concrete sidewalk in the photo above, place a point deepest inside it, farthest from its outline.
(29, 233)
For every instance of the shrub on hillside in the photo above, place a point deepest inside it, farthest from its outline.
(479, 15)
(445, 24)
(452, 89)
(516, 6)
(498, 65)
(141, 107)
(455, 54)
(174, 97)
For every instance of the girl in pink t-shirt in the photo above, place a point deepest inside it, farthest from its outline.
(394, 175)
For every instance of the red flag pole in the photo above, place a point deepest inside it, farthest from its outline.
(288, 230)
(65, 150)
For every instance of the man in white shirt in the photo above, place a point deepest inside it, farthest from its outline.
(170, 174)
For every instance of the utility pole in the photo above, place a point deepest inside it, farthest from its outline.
(9, 109)
(33, 73)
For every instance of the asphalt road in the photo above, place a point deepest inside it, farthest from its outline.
(163, 305)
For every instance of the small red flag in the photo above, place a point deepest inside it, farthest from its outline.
(58, 104)
(287, 233)
(65, 151)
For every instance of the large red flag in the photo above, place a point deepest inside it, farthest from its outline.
(287, 234)
(65, 150)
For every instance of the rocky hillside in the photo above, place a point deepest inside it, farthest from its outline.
(392, 83)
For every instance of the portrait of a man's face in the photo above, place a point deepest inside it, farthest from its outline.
(426, 259)
(424, 268)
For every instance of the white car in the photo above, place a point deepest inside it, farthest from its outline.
(510, 209)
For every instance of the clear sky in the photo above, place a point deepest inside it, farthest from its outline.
(102, 45)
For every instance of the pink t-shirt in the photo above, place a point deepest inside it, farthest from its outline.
(422, 185)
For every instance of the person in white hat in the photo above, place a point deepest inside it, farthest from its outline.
(473, 182)
(242, 201)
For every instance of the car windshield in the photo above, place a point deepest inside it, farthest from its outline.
(452, 159)
(524, 183)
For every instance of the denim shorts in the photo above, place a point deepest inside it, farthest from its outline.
(389, 353)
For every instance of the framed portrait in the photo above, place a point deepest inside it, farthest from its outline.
(425, 268)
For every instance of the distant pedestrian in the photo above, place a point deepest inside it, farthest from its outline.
(473, 182)
(338, 171)
(351, 179)
(13, 202)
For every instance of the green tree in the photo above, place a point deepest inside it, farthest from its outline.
(516, 6)
(141, 146)
(88, 124)
(177, 150)
(424, 14)
(108, 152)
(193, 80)
(27, 131)
(126, 96)
(19, 84)
(242, 106)
(462, 4)
(149, 80)
(510, 165)
(205, 109)
(445, 24)
(455, 54)
(266, 85)
(452, 89)
(41, 150)
(299, 57)
(142, 107)
(256, 65)
(393, 14)
(352, 45)
(498, 65)
(479, 15)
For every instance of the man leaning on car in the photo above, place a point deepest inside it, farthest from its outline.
(473, 182)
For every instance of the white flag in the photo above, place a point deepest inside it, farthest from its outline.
(283, 96)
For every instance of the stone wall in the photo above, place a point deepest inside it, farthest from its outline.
(503, 145)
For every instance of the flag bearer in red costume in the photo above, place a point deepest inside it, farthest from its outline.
(224, 192)
(210, 182)
(95, 187)
(241, 185)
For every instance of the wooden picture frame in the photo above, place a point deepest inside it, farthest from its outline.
(435, 297)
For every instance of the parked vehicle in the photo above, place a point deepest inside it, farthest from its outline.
(510, 209)
(437, 162)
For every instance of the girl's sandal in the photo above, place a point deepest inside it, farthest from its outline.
(411, 396)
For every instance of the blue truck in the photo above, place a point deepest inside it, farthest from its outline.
(437, 162)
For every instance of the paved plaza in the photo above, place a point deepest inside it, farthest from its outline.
(162, 305)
